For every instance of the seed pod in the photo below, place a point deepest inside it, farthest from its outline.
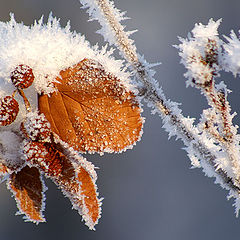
(9, 109)
(36, 127)
(22, 76)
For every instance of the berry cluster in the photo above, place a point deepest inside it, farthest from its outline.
(37, 133)
(22, 77)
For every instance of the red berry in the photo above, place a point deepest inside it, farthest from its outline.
(9, 109)
(22, 76)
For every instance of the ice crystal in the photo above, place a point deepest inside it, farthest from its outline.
(231, 58)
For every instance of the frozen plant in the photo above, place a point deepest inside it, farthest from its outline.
(60, 98)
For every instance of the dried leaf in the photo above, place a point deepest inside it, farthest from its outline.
(91, 204)
(28, 189)
(91, 110)
(75, 182)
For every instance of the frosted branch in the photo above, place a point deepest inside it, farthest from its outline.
(201, 74)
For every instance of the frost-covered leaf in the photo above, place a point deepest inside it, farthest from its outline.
(77, 183)
(91, 204)
(91, 110)
(27, 188)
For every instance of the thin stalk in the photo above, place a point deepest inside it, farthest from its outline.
(157, 98)
(26, 102)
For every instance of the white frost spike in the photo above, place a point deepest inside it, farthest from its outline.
(231, 57)
(193, 49)
(209, 31)
(109, 18)
(39, 47)
(96, 13)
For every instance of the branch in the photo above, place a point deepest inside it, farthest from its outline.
(174, 122)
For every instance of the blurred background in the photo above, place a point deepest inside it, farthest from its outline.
(149, 192)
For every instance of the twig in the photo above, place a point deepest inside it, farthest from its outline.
(169, 111)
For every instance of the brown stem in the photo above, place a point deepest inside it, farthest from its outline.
(219, 103)
(26, 102)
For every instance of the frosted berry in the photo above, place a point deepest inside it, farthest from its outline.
(9, 109)
(22, 76)
(36, 127)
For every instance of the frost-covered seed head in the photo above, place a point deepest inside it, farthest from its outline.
(22, 76)
(9, 109)
(36, 127)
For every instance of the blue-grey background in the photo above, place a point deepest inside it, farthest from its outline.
(150, 192)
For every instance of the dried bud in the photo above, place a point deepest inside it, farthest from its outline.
(36, 127)
(22, 76)
(9, 109)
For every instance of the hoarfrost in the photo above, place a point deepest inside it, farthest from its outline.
(231, 58)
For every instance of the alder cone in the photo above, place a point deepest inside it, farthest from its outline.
(91, 110)
(36, 128)
(9, 109)
(22, 76)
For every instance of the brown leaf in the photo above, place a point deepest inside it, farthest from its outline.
(28, 188)
(75, 182)
(88, 190)
(91, 110)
